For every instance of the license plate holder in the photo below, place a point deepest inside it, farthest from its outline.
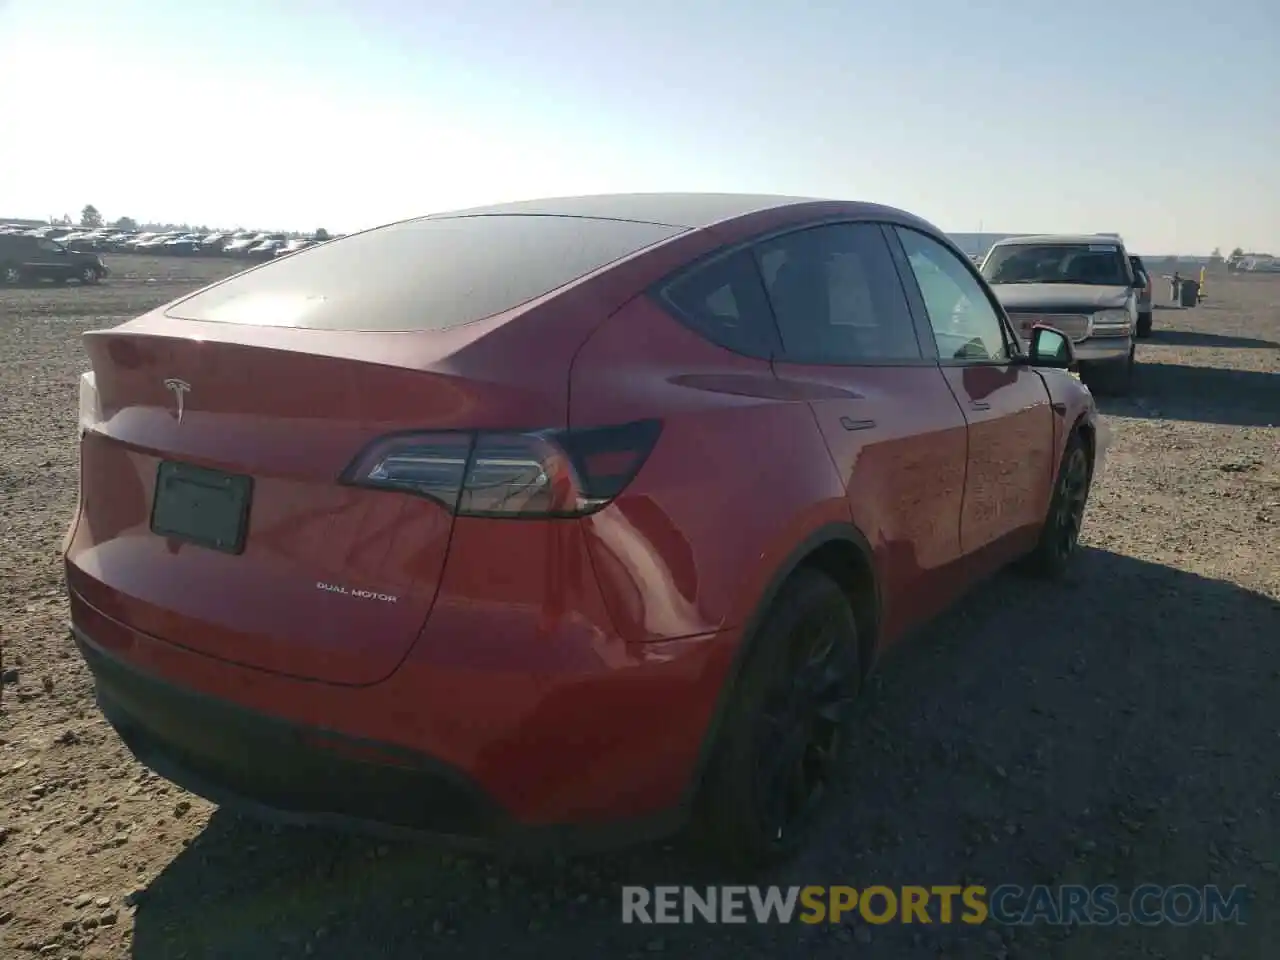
(209, 508)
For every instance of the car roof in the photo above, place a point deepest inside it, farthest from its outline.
(1063, 238)
(440, 269)
(687, 210)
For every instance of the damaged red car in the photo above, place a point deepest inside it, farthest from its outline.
(567, 522)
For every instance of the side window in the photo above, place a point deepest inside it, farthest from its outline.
(837, 296)
(724, 302)
(965, 325)
(48, 246)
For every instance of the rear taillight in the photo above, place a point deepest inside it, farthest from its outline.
(540, 473)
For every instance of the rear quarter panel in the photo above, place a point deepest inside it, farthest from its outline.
(739, 475)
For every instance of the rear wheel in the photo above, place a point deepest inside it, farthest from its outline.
(1060, 535)
(10, 274)
(780, 751)
(1144, 325)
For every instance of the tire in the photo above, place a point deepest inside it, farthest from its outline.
(1112, 377)
(10, 274)
(1059, 537)
(1122, 375)
(89, 275)
(1144, 325)
(780, 751)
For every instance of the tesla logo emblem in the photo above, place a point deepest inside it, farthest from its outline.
(180, 389)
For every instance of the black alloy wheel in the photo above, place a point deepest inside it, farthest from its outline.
(801, 733)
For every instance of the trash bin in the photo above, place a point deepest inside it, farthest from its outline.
(1190, 293)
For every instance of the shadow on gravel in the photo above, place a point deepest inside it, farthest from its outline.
(1170, 391)
(1191, 338)
(1117, 727)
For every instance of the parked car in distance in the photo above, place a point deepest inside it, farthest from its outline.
(293, 246)
(1083, 285)
(1146, 296)
(186, 245)
(155, 243)
(132, 243)
(242, 246)
(239, 246)
(215, 242)
(568, 523)
(265, 250)
(24, 258)
(116, 240)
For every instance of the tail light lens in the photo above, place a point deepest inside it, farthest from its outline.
(540, 473)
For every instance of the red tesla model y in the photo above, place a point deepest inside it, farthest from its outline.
(565, 522)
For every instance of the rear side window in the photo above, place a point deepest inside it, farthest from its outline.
(724, 301)
(428, 274)
(837, 296)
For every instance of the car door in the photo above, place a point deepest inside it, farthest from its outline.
(1006, 403)
(26, 251)
(852, 350)
(49, 260)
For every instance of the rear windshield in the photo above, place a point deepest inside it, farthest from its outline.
(1100, 264)
(426, 274)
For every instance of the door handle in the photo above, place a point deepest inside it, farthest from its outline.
(979, 404)
(850, 424)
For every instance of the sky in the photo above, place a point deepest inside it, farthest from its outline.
(1155, 120)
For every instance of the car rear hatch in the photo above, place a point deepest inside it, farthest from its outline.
(213, 513)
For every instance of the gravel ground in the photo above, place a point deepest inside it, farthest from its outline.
(1122, 726)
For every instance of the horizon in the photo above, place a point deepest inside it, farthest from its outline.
(366, 114)
(966, 241)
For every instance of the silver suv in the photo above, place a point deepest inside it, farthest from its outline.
(1084, 286)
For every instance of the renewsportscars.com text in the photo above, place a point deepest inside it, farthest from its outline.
(1007, 904)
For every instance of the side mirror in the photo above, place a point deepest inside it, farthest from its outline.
(1051, 348)
(1139, 282)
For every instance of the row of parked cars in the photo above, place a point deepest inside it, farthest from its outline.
(1254, 263)
(249, 245)
(59, 254)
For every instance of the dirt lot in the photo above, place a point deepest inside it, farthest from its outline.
(1123, 726)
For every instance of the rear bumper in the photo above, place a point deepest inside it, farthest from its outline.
(289, 773)
(240, 758)
(294, 751)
